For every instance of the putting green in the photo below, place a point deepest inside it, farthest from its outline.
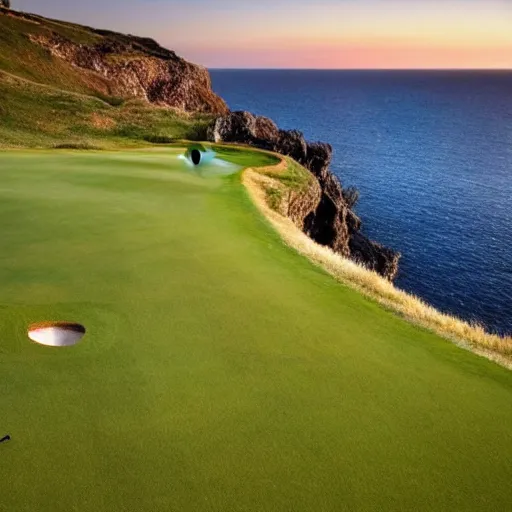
(220, 371)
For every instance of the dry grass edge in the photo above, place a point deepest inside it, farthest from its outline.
(372, 285)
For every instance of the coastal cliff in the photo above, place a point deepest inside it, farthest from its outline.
(135, 67)
(140, 68)
(322, 211)
(116, 68)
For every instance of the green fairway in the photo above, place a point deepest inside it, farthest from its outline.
(220, 370)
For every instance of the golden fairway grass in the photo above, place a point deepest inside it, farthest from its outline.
(469, 336)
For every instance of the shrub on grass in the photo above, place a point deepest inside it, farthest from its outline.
(158, 139)
(197, 131)
(130, 131)
(76, 145)
(274, 197)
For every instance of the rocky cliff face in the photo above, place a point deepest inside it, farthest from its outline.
(139, 67)
(322, 212)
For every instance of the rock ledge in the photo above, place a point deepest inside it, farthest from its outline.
(327, 217)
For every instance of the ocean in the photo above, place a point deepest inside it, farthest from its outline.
(431, 153)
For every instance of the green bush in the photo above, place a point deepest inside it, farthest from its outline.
(274, 197)
(158, 139)
(197, 131)
(76, 145)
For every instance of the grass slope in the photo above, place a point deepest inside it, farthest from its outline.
(272, 188)
(221, 370)
(46, 102)
(20, 56)
(34, 115)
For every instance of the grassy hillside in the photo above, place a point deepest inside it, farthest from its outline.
(47, 102)
(33, 115)
(220, 370)
(274, 190)
(24, 58)
(20, 56)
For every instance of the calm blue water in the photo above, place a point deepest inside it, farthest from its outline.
(431, 153)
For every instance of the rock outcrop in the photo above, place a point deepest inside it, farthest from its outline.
(322, 212)
(139, 67)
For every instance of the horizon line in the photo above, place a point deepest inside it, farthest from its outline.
(507, 70)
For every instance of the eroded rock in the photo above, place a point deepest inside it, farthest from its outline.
(321, 210)
(140, 68)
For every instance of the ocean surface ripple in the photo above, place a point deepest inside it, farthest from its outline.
(431, 153)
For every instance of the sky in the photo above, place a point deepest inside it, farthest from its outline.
(329, 34)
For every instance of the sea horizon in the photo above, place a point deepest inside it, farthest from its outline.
(420, 70)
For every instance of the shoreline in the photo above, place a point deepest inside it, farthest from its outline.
(413, 309)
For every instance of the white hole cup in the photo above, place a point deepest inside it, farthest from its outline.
(56, 334)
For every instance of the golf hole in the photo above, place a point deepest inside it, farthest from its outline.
(195, 155)
(199, 155)
(56, 334)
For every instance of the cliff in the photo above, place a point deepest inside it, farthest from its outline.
(140, 68)
(322, 212)
(82, 59)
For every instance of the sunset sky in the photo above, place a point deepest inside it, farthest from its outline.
(306, 34)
